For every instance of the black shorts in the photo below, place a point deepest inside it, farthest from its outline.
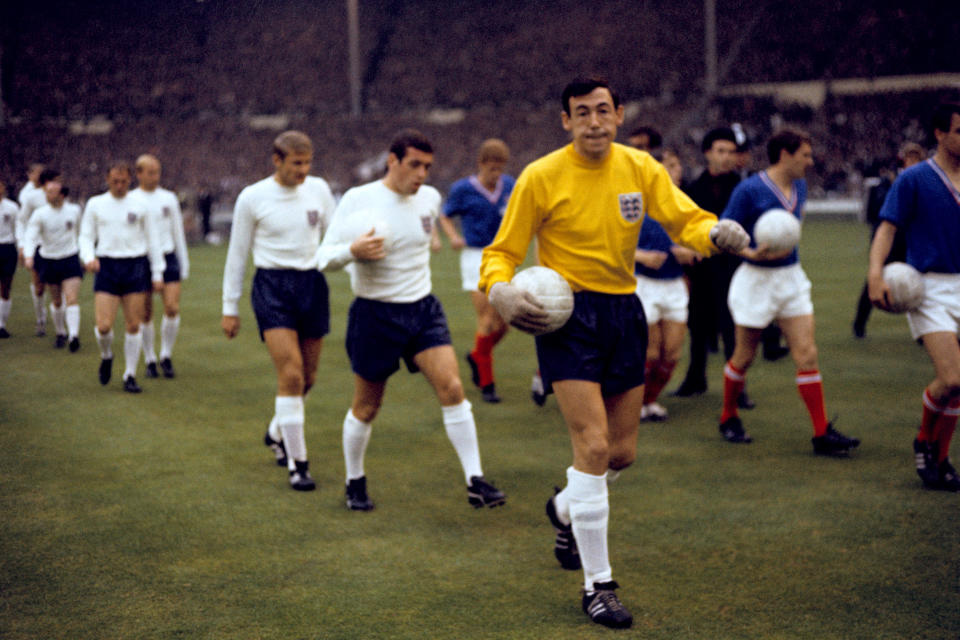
(172, 271)
(291, 299)
(604, 341)
(8, 260)
(380, 334)
(121, 276)
(56, 270)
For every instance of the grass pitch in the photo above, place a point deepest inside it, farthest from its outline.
(163, 516)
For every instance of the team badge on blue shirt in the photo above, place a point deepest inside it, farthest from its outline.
(631, 206)
(313, 217)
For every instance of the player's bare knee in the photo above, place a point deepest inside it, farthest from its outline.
(171, 310)
(365, 412)
(450, 391)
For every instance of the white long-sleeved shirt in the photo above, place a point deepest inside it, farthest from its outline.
(164, 206)
(8, 221)
(282, 225)
(120, 228)
(32, 201)
(404, 274)
(54, 230)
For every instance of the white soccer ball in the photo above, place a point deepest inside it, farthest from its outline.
(906, 286)
(359, 223)
(778, 229)
(551, 290)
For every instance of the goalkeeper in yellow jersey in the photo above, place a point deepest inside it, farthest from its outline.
(585, 203)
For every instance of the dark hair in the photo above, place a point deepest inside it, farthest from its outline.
(942, 114)
(654, 137)
(788, 140)
(47, 175)
(583, 86)
(407, 138)
(720, 133)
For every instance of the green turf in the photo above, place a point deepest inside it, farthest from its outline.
(163, 516)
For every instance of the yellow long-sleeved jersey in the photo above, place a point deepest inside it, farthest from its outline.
(587, 215)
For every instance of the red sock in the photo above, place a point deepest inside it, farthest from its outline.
(928, 422)
(946, 425)
(733, 383)
(657, 378)
(482, 354)
(810, 386)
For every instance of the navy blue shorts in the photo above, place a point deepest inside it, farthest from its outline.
(291, 299)
(380, 334)
(56, 270)
(120, 276)
(604, 341)
(172, 271)
(8, 260)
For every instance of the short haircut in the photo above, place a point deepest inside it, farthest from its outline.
(407, 138)
(654, 137)
(720, 133)
(144, 159)
(47, 175)
(583, 86)
(292, 142)
(119, 166)
(942, 114)
(788, 140)
(495, 150)
(911, 149)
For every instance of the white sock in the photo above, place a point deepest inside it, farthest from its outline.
(356, 436)
(147, 336)
(73, 321)
(289, 412)
(5, 311)
(168, 335)
(38, 309)
(462, 432)
(589, 515)
(131, 353)
(274, 429)
(105, 342)
(59, 319)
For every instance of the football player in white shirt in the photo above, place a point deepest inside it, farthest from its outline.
(120, 244)
(8, 254)
(394, 316)
(53, 231)
(165, 208)
(282, 218)
(32, 199)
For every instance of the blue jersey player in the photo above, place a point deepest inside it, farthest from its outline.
(772, 286)
(479, 201)
(924, 202)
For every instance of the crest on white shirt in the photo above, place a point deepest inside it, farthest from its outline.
(6, 218)
(166, 212)
(69, 225)
(631, 206)
(427, 223)
(131, 217)
(313, 217)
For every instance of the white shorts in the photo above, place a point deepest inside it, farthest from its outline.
(470, 268)
(663, 299)
(760, 295)
(940, 310)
